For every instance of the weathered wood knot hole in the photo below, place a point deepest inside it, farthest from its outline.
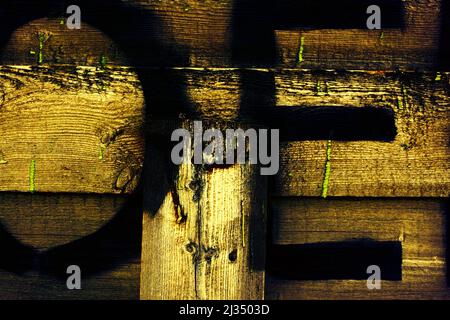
(233, 256)
(191, 247)
(210, 253)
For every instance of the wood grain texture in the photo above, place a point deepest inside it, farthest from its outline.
(121, 283)
(42, 234)
(210, 40)
(43, 221)
(416, 163)
(62, 45)
(412, 47)
(81, 126)
(206, 240)
(191, 33)
(419, 224)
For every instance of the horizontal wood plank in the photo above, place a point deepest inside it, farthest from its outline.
(414, 46)
(419, 224)
(68, 153)
(416, 163)
(42, 234)
(216, 33)
(44, 221)
(121, 283)
(70, 129)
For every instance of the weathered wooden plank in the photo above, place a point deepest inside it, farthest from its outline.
(43, 221)
(205, 240)
(70, 129)
(366, 169)
(429, 288)
(419, 224)
(309, 220)
(414, 46)
(42, 234)
(60, 45)
(217, 33)
(414, 164)
(120, 283)
(220, 29)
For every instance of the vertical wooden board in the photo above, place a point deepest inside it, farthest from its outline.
(232, 216)
(169, 250)
(206, 237)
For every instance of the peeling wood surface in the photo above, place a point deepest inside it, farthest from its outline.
(419, 224)
(206, 239)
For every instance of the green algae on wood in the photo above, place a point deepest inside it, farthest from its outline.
(103, 61)
(300, 50)
(101, 154)
(326, 178)
(43, 38)
(32, 176)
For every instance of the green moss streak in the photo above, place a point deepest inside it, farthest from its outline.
(101, 154)
(32, 176)
(103, 61)
(42, 37)
(326, 179)
(399, 103)
(41, 48)
(300, 50)
(403, 100)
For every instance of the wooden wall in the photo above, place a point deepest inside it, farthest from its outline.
(75, 106)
